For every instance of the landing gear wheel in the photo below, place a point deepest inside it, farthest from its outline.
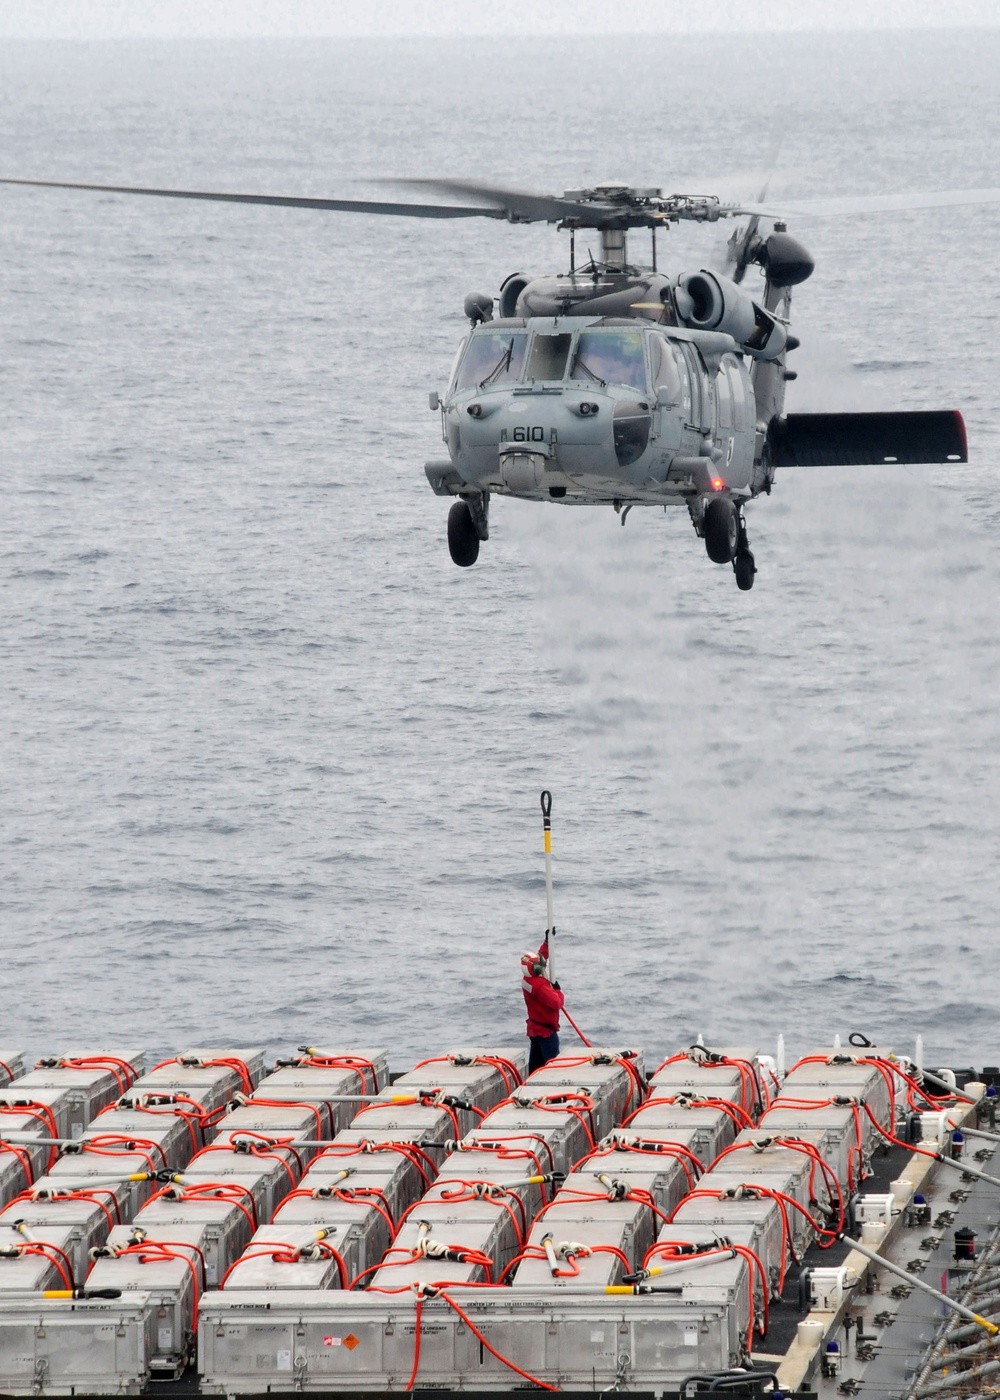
(463, 537)
(722, 530)
(744, 569)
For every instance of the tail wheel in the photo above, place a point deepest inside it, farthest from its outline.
(463, 537)
(722, 530)
(744, 568)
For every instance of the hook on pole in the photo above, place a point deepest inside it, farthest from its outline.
(550, 930)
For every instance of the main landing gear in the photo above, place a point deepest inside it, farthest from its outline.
(468, 524)
(726, 541)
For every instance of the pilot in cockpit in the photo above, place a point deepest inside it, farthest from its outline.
(612, 356)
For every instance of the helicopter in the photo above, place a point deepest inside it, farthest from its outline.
(615, 383)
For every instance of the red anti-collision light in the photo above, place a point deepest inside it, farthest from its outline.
(717, 483)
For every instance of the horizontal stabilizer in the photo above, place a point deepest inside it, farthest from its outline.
(860, 439)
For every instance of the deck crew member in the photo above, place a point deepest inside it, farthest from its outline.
(544, 1001)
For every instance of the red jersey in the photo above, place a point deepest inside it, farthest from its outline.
(544, 1002)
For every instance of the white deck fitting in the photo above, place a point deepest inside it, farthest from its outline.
(217, 1225)
(370, 1233)
(626, 1225)
(49, 1220)
(393, 1173)
(753, 1222)
(263, 1264)
(268, 1178)
(172, 1285)
(663, 1177)
(11, 1065)
(712, 1129)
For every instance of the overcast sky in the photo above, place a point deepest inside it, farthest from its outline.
(91, 19)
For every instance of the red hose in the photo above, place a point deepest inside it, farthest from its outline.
(579, 1032)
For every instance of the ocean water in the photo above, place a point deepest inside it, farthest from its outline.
(271, 764)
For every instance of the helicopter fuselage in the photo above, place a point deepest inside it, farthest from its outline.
(588, 409)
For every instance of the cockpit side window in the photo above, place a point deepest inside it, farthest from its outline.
(612, 357)
(492, 357)
(548, 357)
(666, 373)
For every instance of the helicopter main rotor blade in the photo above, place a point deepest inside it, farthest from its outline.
(871, 204)
(343, 206)
(519, 206)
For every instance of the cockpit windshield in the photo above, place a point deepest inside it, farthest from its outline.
(492, 357)
(610, 357)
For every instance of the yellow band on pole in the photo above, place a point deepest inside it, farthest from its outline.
(991, 1327)
(548, 843)
(619, 1288)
